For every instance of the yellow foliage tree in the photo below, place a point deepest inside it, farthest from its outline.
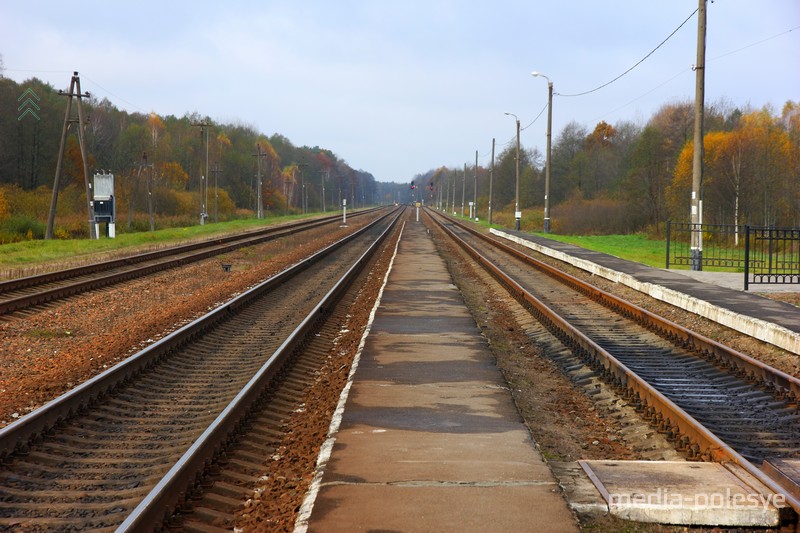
(289, 175)
(748, 174)
(173, 174)
(5, 211)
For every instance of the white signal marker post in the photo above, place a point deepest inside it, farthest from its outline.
(344, 211)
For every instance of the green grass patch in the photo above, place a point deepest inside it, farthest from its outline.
(637, 247)
(48, 334)
(32, 252)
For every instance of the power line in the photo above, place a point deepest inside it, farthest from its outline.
(638, 63)
(756, 43)
(87, 78)
(534, 120)
(687, 69)
(115, 96)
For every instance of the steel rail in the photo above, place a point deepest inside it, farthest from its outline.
(171, 490)
(16, 435)
(674, 420)
(187, 253)
(787, 387)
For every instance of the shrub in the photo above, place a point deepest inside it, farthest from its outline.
(22, 227)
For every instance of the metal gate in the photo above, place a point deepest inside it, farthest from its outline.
(768, 255)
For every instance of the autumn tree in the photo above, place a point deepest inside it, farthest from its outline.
(749, 174)
(568, 166)
(649, 175)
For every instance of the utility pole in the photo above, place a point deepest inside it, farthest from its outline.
(491, 178)
(475, 189)
(259, 200)
(697, 161)
(216, 171)
(463, 189)
(322, 175)
(547, 160)
(303, 196)
(204, 128)
(451, 184)
(517, 212)
(144, 164)
(74, 92)
(455, 181)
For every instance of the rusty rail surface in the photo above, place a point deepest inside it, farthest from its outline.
(690, 434)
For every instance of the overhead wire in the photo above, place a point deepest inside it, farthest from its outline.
(790, 30)
(637, 63)
(90, 80)
(85, 77)
(687, 69)
(535, 119)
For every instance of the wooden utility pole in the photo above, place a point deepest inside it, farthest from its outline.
(150, 213)
(74, 92)
(697, 161)
(259, 199)
(303, 194)
(142, 164)
(491, 178)
(216, 171)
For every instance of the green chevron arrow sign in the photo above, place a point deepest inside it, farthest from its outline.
(28, 104)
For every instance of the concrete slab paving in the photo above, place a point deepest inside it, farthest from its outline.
(442, 508)
(787, 472)
(430, 439)
(683, 492)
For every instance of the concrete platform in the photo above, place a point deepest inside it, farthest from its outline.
(430, 439)
(787, 472)
(713, 295)
(686, 493)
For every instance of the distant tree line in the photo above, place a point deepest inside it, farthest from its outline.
(627, 178)
(165, 155)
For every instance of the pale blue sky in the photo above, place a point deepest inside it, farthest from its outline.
(397, 88)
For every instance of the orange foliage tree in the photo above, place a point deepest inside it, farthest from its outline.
(749, 174)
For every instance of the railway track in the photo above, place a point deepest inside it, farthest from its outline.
(126, 448)
(18, 295)
(715, 404)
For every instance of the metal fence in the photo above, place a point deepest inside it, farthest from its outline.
(773, 256)
(766, 255)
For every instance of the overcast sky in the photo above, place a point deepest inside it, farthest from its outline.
(398, 87)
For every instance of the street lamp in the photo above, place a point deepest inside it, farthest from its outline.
(547, 156)
(517, 212)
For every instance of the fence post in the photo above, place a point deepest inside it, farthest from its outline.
(668, 224)
(746, 256)
(771, 231)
